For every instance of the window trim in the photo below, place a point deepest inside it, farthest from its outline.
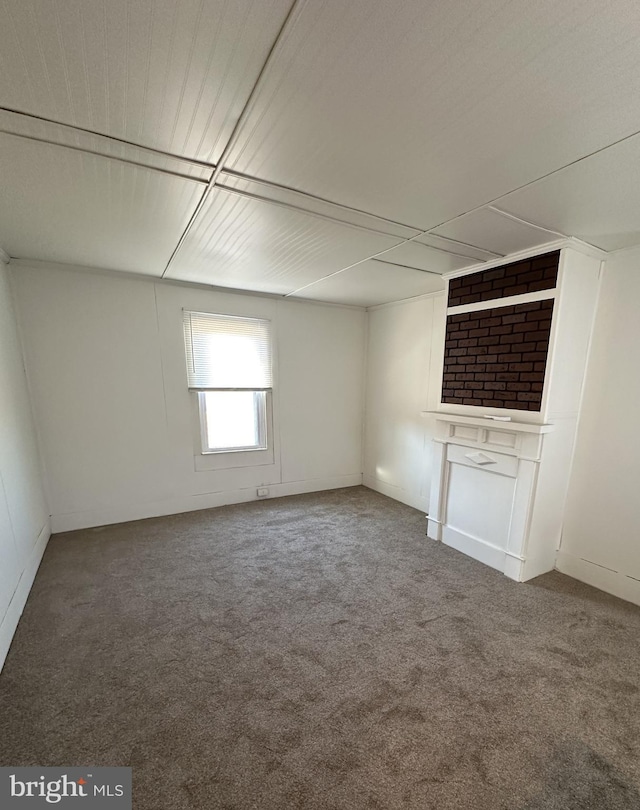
(219, 462)
(233, 466)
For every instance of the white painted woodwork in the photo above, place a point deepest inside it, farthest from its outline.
(371, 283)
(573, 319)
(507, 301)
(600, 535)
(105, 358)
(575, 299)
(484, 497)
(403, 378)
(24, 515)
(499, 487)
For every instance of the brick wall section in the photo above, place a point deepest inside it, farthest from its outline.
(531, 275)
(497, 357)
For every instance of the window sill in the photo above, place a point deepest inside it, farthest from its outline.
(232, 459)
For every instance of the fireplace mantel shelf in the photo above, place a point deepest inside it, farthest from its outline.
(492, 424)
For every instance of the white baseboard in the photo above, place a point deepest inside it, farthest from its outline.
(534, 567)
(126, 512)
(397, 493)
(612, 582)
(11, 618)
(480, 550)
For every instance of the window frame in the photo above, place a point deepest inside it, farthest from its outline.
(233, 462)
(234, 459)
(261, 413)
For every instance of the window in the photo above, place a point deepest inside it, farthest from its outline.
(233, 420)
(229, 366)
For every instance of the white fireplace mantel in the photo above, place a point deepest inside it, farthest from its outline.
(484, 493)
(499, 485)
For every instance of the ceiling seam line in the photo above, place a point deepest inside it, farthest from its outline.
(289, 23)
(250, 179)
(269, 184)
(374, 257)
(355, 264)
(460, 243)
(404, 267)
(381, 253)
(508, 215)
(281, 187)
(485, 205)
(536, 180)
(194, 161)
(317, 214)
(128, 161)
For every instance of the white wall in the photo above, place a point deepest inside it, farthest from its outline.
(403, 378)
(105, 358)
(600, 542)
(24, 516)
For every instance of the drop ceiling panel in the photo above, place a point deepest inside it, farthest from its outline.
(493, 231)
(325, 208)
(247, 244)
(63, 206)
(596, 200)
(173, 75)
(419, 111)
(419, 256)
(457, 247)
(372, 282)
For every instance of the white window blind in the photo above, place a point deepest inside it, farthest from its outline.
(225, 352)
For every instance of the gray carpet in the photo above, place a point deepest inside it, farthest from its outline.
(319, 652)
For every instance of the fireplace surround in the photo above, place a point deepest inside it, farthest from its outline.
(506, 422)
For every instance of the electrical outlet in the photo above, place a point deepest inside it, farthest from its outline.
(263, 492)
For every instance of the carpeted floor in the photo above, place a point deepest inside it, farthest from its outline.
(320, 652)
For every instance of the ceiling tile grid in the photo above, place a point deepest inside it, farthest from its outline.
(368, 147)
(490, 229)
(373, 282)
(172, 75)
(421, 112)
(13, 125)
(596, 200)
(70, 207)
(255, 245)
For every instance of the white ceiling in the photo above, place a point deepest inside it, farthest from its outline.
(347, 152)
